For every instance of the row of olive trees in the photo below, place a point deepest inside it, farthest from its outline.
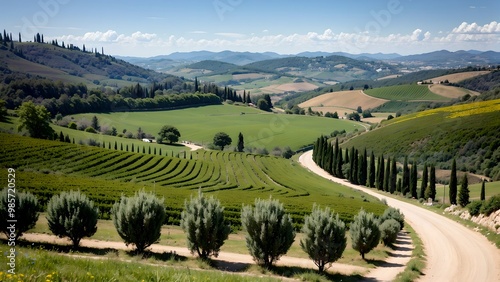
(270, 234)
(270, 231)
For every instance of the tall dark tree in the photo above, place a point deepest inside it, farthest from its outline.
(95, 123)
(241, 143)
(463, 197)
(340, 163)
(196, 84)
(432, 182)
(394, 176)
(453, 183)
(483, 191)
(387, 175)
(406, 176)
(425, 175)
(413, 180)
(371, 175)
(20, 38)
(381, 171)
(268, 100)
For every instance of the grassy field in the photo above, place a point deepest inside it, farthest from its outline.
(405, 93)
(48, 167)
(199, 125)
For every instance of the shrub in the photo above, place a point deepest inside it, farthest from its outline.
(269, 231)
(26, 213)
(491, 205)
(203, 222)
(71, 214)
(324, 237)
(392, 213)
(138, 219)
(389, 231)
(72, 125)
(364, 232)
(474, 207)
(90, 130)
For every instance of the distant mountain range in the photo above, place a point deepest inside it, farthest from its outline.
(437, 59)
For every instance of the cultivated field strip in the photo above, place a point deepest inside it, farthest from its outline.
(47, 167)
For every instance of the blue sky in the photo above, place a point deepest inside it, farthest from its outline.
(149, 28)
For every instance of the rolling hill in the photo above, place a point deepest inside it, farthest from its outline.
(71, 65)
(467, 132)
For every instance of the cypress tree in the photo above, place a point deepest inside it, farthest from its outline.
(381, 171)
(121, 146)
(132, 148)
(241, 143)
(371, 176)
(432, 183)
(340, 163)
(126, 147)
(413, 178)
(483, 191)
(160, 152)
(394, 176)
(423, 187)
(116, 146)
(406, 177)
(109, 145)
(453, 183)
(104, 144)
(61, 136)
(387, 175)
(355, 165)
(463, 197)
(399, 186)
(336, 156)
(154, 151)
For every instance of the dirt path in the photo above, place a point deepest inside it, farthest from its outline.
(226, 261)
(454, 253)
(192, 146)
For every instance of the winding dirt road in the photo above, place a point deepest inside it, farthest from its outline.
(454, 253)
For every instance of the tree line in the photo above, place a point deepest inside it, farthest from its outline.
(269, 228)
(382, 173)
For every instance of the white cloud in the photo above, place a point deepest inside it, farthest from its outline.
(110, 36)
(230, 34)
(474, 28)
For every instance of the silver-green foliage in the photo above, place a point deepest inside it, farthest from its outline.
(25, 206)
(269, 231)
(324, 237)
(203, 222)
(389, 230)
(138, 219)
(393, 213)
(364, 232)
(73, 215)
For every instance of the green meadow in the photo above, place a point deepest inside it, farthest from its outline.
(199, 125)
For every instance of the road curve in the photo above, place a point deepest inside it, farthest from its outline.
(454, 252)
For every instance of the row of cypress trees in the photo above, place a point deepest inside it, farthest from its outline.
(374, 172)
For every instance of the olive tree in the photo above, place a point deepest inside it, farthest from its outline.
(72, 214)
(365, 233)
(221, 139)
(203, 222)
(138, 219)
(389, 230)
(324, 237)
(269, 231)
(393, 213)
(26, 213)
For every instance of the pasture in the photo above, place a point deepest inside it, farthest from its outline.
(199, 125)
(457, 77)
(343, 99)
(450, 91)
(405, 93)
(48, 167)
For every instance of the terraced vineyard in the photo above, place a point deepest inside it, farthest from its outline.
(47, 167)
(405, 93)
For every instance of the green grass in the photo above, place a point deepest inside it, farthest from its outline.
(38, 264)
(405, 93)
(48, 167)
(199, 125)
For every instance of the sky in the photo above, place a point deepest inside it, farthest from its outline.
(150, 28)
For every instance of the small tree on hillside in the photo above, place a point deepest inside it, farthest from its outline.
(138, 219)
(241, 143)
(269, 231)
(324, 237)
(365, 233)
(203, 222)
(453, 183)
(36, 119)
(221, 139)
(73, 215)
(483, 191)
(463, 197)
(26, 213)
(169, 133)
